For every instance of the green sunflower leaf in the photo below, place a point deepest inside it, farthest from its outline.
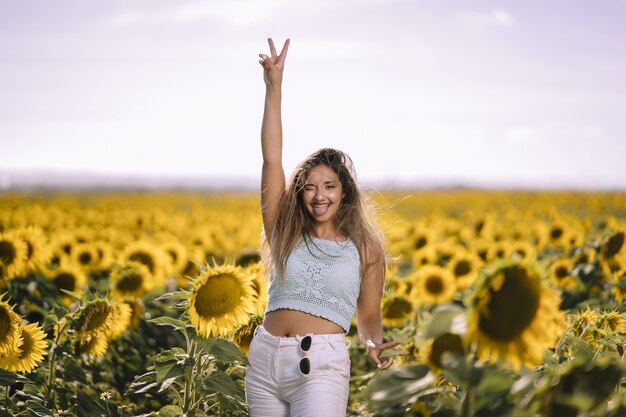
(223, 350)
(169, 321)
(8, 378)
(38, 409)
(401, 385)
(170, 411)
(171, 364)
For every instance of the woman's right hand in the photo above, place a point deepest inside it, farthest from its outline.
(274, 65)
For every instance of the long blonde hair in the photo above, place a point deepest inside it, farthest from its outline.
(354, 217)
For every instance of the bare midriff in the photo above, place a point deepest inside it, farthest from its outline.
(289, 323)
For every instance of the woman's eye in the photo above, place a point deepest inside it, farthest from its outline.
(309, 188)
(330, 187)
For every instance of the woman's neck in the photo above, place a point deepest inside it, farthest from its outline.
(328, 233)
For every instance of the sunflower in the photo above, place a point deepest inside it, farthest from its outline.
(612, 322)
(63, 243)
(499, 250)
(396, 310)
(613, 244)
(13, 255)
(86, 255)
(522, 251)
(557, 233)
(464, 267)
(512, 317)
(424, 256)
(70, 277)
(10, 340)
(130, 280)
(39, 252)
(150, 255)
(432, 285)
(31, 351)
(221, 299)
(105, 254)
(421, 236)
(583, 323)
(561, 274)
(176, 255)
(444, 343)
(94, 320)
(242, 336)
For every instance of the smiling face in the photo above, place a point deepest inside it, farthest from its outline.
(322, 194)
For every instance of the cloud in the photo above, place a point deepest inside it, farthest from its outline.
(495, 17)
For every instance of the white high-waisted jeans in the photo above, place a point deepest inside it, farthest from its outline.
(275, 387)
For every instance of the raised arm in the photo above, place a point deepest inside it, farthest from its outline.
(272, 175)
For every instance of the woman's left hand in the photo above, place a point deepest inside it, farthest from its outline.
(375, 350)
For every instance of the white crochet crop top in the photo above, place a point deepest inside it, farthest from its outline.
(322, 278)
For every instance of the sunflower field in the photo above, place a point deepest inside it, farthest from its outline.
(144, 304)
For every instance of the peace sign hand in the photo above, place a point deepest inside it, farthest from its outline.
(274, 65)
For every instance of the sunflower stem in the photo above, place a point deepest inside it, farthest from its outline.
(187, 395)
(52, 365)
(466, 402)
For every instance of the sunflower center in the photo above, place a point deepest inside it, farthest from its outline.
(512, 307)
(420, 242)
(462, 268)
(218, 296)
(85, 258)
(614, 244)
(434, 284)
(131, 282)
(397, 307)
(7, 252)
(96, 317)
(556, 233)
(447, 342)
(65, 281)
(561, 272)
(143, 258)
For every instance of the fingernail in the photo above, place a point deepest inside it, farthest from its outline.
(379, 366)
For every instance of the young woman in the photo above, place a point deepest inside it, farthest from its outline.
(326, 260)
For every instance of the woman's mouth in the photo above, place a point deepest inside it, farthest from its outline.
(320, 209)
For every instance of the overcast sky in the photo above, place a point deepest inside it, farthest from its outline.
(529, 93)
